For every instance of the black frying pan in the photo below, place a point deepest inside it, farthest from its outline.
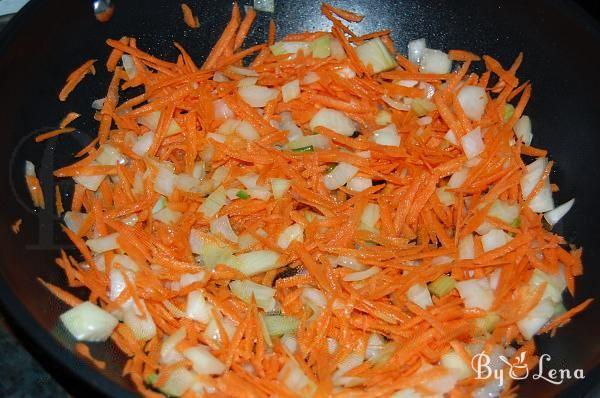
(49, 38)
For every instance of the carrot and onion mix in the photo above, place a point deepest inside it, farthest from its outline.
(331, 218)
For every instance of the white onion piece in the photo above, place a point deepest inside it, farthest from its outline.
(554, 216)
(88, 322)
(370, 215)
(104, 243)
(167, 216)
(256, 262)
(290, 47)
(395, 104)
(495, 278)
(359, 184)
(287, 124)
(247, 82)
(387, 136)
(217, 137)
(143, 144)
(290, 90)
(165, 181)
(333, 120)
(458, 178)
(504, 211)
(466, 248)
(98, 104)
(246, 289)
(522, 129)
(555, 284)
(349, 262)
(383, 118)
(473, 100)
(451, 137)
(213, 203)
(203, 361)
(290, 234)
(543, 201)
(109, 156)
(90, 182)
(139, 321)
(346, 72)
(221, 227)
(310, 78)
(419, 295)
(292, 376)
(406, 83)
(180, 380)
(339, 176)
(220, 77)
(221, 110)
(494, 239)
(444, 196)
(435, 61)
(242, 71)
(290, 343)
(476, 293)
(456, 365)
(536, 318)
(279, 186)
(74, 220)
(472, 143)
(375, 54)
(168, 350)
(362, 275)
(317, 141)
(406, 393)
(129, 66)
(313, 298)
(416, 49)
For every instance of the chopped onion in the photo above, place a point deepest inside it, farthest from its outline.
(197, 308)
(151, 120)
(456, 365)
(246, 289)
(346, 72)
(88, 322)
(362, 275)
(554, 216)
(383, 118)
(375, 54)
(321, 47)
(339, 176)
(422, 106)
(451, 137)
(476, 293)
(310, 77)
(221, 110)
(256, 262)
(317, 141)
(139, 321)
(167, 216)
(522, 129)
(213, 203)
(555, 284)
(290, 343)
(203, 361)
(351, 361)
(109, 156)
(406, 83)
(213, 255)
(473, 100)
(165, 181)
(290, 47)
(458, 178)
(466, 248)
(290, 90)
(126, 262)
(434, 61)
(129, 66)
(278, 325)
(143, 144)
(375, 344)
(536, 318)
(349, 262)
(247, 82)
(74, 220)
(395, 104)
(494, 239)
(406, 393)
(220, 77)
(543, 201)
(290, 234)
(242, 71)
(265, 5)
(213, 333)
(247, 131)
(168, 350)
(416, 49)
(292, 376)
(103, 244)
(279, 186)
(495, 278)
(98, 104)
(90, 182)
(314, 298)
(370, 215)
(333, 120)
(180, 380)
(444, 196)
(359, 184)
(288, 124)
(387, 136)
(217, 137)
(337, 51)
(221, 227)
(472, 143)
(419, 295)
(504, 211)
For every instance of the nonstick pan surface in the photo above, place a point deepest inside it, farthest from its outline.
(48, 39)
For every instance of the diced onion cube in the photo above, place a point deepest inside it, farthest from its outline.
(435, 61)
(375, 54)
(473, 100)
(333, 120)
(88, 322)
(339, 176)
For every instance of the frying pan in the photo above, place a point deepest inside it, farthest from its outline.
(49, 39)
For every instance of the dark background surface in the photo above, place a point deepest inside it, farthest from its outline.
(24, 377)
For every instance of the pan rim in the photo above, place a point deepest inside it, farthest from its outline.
(16, 311)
